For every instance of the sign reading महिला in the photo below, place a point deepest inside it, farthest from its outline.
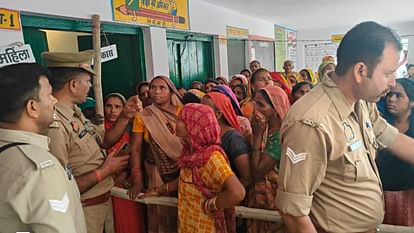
(16, 54)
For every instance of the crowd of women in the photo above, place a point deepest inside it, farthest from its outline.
(217, 145)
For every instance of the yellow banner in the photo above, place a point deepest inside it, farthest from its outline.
(9, 19)
(280, 46)
(160, 13)
(337, 38)
(237, 33)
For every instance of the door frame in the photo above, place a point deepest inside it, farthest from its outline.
(190, 36)
(85, 25)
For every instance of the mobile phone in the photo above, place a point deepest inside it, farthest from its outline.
(123, 150)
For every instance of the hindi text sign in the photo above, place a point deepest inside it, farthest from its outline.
(16, 54)
(160, 13)
(237, 33)
(108, 53)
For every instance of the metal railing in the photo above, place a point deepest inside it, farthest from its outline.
(244, 212)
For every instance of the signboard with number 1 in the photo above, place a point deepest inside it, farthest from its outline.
(9, 19)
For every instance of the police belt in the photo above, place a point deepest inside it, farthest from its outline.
(96, 200)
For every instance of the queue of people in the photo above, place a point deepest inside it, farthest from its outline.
(313, 146)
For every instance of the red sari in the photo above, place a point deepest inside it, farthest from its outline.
(128, 215)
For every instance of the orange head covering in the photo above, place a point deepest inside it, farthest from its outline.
(277, 77)
(280, 100)
(224, 105)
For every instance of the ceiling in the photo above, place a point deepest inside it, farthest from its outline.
(317, 14)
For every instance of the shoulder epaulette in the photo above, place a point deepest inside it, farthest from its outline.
(310, 123)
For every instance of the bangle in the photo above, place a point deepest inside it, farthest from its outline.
(206, 207)
(136, 172)
(98, 175)
(213, 203)
(136, 169)
(210, 205)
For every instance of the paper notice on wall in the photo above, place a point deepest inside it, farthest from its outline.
(315, 52)
(16, 54)
(252, 54)
(109, 53)
(292, 46)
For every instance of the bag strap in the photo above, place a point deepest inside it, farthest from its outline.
(7, 146)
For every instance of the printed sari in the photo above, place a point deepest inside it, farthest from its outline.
(160, 154)
(205, 168)
(262, 193)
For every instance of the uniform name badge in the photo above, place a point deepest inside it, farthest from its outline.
(356, 145)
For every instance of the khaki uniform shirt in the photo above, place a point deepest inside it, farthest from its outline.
(37, 195)
(328, 166)
(74, 142)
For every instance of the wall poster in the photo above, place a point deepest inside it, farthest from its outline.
(160, 13)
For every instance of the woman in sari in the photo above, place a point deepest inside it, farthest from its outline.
(193, 96)
(128, 215)
(396, 175)
(309, 76)
(260, 79)
(233, 142)
(222, 80)
(244, 123)
(294, 78)
(238, 79)
(143, 93)
(240, 91)
(279, 81)
(247, 73)
(154, 142)
(271, 106)
(208, 189)
(299, 90)
(325, 68)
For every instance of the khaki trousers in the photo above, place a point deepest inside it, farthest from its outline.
(97, 217)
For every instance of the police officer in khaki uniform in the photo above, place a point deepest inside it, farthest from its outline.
(328, 179)
(37, 194)
(75, 141)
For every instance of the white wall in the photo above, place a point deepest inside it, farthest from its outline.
(402, 29)
(204, 18)
(212, 19)
(156, 52)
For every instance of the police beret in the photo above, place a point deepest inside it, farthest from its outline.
(81, 60)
